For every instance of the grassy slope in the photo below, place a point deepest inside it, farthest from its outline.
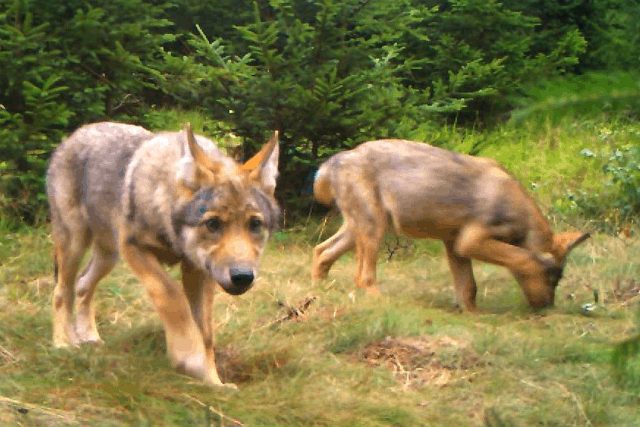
(550, 369)
(506, 366)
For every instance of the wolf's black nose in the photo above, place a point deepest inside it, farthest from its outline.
(241, 277)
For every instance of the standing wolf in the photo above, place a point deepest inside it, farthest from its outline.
(470, 203)
(157, 199)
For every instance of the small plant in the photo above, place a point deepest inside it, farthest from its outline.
(616, 203)
(623, 166)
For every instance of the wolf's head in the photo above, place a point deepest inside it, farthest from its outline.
(227, 211)
(540, 288)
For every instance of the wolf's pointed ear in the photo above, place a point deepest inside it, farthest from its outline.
(263, 167)
(194, 163)
(563, 243)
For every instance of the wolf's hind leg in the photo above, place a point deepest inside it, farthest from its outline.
(327, 252)
(369, 236)
(68, 252)
(102, 262)
(465, 284)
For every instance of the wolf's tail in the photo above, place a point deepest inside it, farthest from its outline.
(322, 190)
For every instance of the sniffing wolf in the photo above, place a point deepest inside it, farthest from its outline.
(470, 203)
(157, 199)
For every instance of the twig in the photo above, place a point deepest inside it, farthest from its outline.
(292, 312)
(123, 102)
(322, 227)
(6, 355)
(530, 384)
(295, 311)
(577, 402)
(213, 410)
(398, 245)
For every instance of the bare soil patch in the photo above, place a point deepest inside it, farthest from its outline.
(423, 361)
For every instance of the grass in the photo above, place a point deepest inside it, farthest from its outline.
(405, 358)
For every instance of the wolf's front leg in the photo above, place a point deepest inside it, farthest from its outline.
(199, 289)
(184, 339)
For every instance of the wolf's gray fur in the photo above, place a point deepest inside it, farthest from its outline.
(121, 188)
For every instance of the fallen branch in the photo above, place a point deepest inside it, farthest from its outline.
(292, 312)
(211, 410)
(7, 356)
(398, 245)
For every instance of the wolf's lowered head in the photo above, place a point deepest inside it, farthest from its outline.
(226, 211)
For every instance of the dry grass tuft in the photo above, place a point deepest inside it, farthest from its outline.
(425, 360)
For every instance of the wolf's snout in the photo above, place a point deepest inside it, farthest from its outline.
(241, 276)
(241, 279)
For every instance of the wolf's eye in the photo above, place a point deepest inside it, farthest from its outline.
(213, 224)
(255, 224)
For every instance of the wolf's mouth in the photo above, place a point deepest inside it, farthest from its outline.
(236, 290)
(235, 280)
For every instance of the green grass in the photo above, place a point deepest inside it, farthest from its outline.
(504, 366)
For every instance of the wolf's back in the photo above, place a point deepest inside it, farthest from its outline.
(87, 170)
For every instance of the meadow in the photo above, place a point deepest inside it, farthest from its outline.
(326, 354)
(550, 89)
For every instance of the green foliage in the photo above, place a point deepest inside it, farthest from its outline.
(610, 95)
(613, 33)
(623, 166)
(601, 111)
(331, 74)
(63, 65)
(328, 74)
(469, 66)
(324, 84)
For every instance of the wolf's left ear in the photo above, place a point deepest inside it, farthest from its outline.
(563, 243)
(263, 167)
(194, 164)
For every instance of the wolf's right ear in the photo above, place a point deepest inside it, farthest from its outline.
(194, 164)
(263, 167)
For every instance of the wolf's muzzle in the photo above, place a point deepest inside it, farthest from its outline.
(241, 280)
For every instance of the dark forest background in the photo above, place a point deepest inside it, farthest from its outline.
(328, 74)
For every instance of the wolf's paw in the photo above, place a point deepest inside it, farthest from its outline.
(213, 380)
(68, 339)
(89, 337)
(92, 341)
(225, 387)
(65, 344)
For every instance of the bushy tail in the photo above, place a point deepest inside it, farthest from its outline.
(322, 190)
